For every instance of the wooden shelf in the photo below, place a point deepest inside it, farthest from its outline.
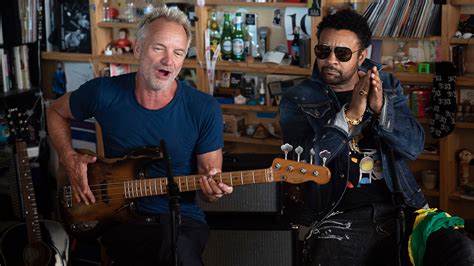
(60, 56)
(467, 80)
(392, 39)
(17, 93)
(462, 2)
(254, 108)
(430, 192)
(254, 4)
(262, 68)
(406, 77)
(455, 40)
(459, 195)
(118, 25)
(268, 141)
(429, 157)
(130, 59)
(467, 125)
(118, 59)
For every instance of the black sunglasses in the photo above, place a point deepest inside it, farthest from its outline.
(343, 54)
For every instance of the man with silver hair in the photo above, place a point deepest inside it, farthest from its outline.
(138, 110)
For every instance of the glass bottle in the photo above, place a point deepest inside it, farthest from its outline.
(214, 31)
(106, 11)
(400, 57)
(238, 44)
(295, 47)
(148, 8)
(226, 38)
(130, 11)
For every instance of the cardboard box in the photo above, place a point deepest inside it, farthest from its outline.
(234, 125)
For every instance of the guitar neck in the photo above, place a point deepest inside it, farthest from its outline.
(28, 193)
(158, 186)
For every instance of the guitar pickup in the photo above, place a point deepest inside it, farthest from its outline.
(66, 196)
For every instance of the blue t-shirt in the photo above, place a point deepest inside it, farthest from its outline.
(191, 124)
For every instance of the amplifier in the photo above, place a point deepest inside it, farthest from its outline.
(258, 198)
(253, 198)
(252, 248)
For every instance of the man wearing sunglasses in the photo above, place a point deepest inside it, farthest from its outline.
(353, 120)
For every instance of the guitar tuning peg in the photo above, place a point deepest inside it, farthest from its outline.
(325, 155)
(299, 151)
(286, 148)
(312, 152)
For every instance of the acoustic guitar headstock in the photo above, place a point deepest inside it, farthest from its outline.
(17, 124)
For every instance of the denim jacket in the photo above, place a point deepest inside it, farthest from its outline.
(312, 117)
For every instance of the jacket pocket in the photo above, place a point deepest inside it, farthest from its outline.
(316, 110)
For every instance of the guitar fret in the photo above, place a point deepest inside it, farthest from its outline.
(179, 183)
(220, 175)
(161, 187)
(242, 177)
(187, 185)
(154, 183)
(230, 177)
(194, 180)
(253, 176)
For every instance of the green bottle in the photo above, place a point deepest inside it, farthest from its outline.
(214, 32)
(238, 42)
(226, 38)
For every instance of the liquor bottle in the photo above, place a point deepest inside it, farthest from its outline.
(295, 47)
(214, 31)
(238, 44)
(226, 38)
(106, 11)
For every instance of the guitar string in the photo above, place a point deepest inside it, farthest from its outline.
(137, 189)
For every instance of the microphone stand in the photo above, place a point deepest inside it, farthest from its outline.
(399, 204)
(173, 194)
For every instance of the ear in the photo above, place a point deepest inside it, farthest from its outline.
(362, 56)
(137, 49)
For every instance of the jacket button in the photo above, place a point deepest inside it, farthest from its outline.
(342, 175)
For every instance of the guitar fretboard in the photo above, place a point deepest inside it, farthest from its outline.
(28, 193)
(158, 186)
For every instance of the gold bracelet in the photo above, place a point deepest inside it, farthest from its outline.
(353, 122)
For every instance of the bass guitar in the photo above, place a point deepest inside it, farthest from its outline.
(116, 182)
(34, 242)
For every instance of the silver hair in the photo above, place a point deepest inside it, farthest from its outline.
(170, 14)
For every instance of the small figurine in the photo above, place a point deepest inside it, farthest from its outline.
(465, 157)
(123, 42)
(120, 45)
(59, 80)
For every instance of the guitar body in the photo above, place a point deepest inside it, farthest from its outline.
(106, 178)
(17, 251)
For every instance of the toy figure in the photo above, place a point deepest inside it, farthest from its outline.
(465, 157)
(123, 42)
(59, 80)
